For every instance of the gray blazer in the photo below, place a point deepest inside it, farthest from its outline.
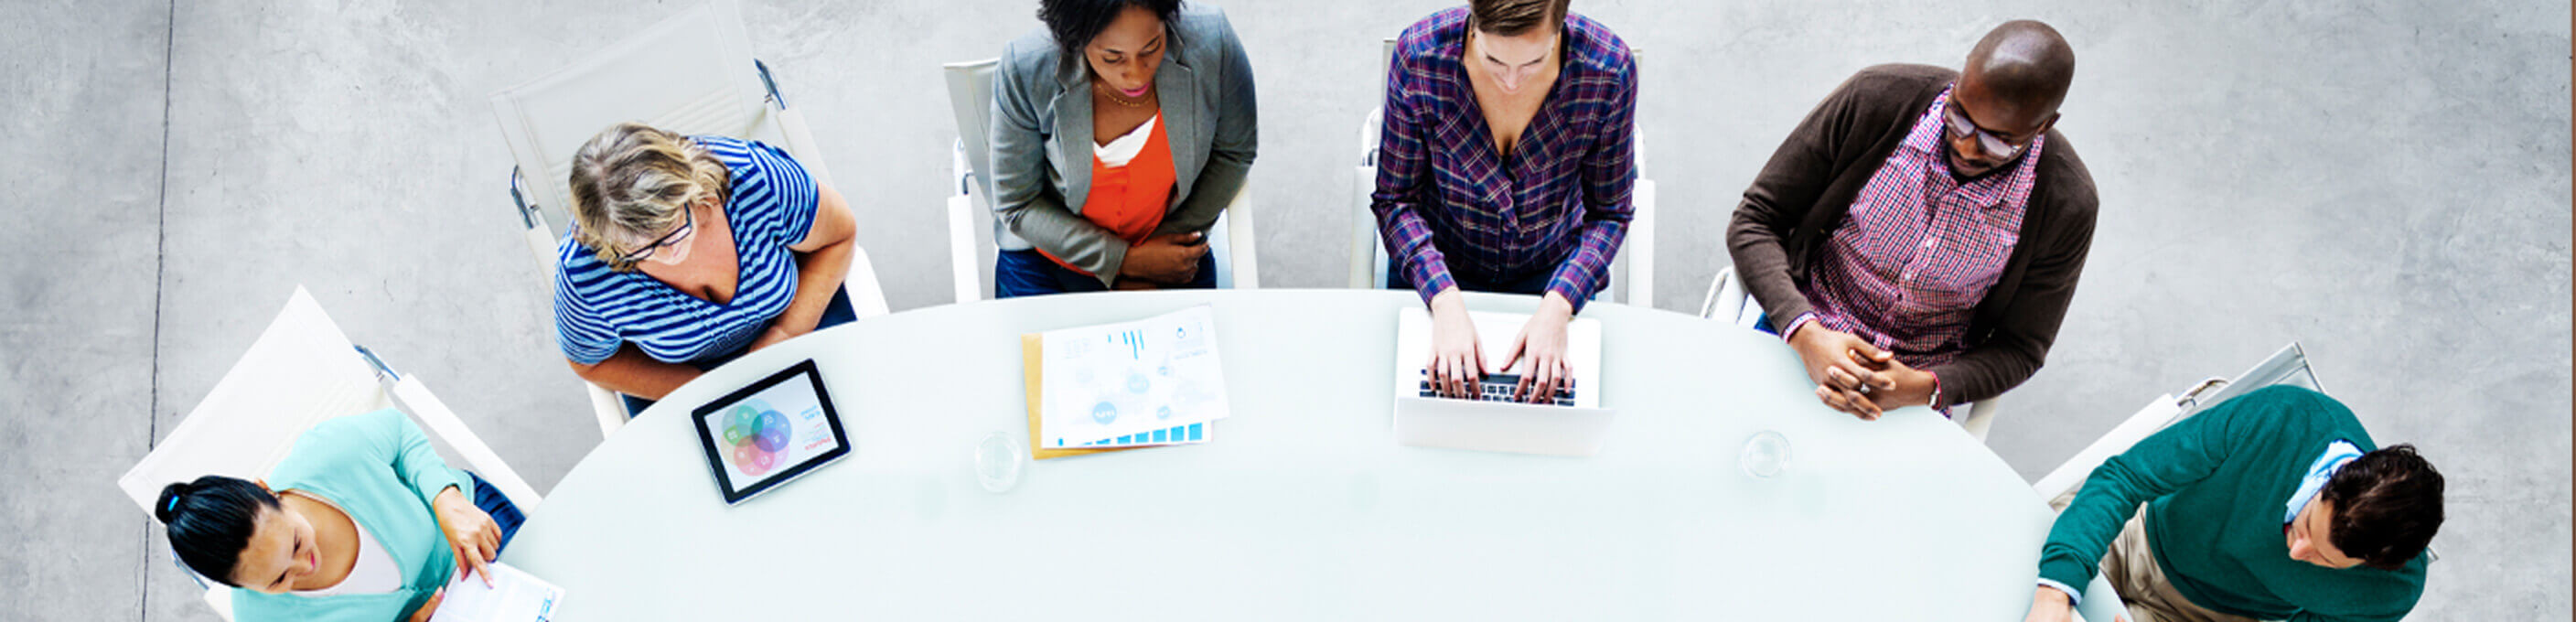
(1042, 143)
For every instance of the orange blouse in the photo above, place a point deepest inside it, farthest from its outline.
(1130, 200)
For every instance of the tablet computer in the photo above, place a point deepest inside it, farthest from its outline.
(775, 430)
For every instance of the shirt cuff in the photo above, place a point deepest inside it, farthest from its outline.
(1794, 325)
(1429, 281)
(1936, 394)
(2073, 596)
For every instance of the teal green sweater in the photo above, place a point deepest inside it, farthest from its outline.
(379, 468)
(2215, 485)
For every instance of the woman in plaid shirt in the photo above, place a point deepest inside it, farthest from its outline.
(1505, 164)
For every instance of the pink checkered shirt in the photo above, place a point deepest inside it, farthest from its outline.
(1908, 266)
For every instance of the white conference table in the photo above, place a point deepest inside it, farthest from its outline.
(1303, 506)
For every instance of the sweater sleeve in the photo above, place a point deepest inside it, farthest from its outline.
(1780, 197)
(1022, 198)
(392, 436)
(2169, 460)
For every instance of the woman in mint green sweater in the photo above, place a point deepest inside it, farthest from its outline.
(2275, 505)
(362, 521)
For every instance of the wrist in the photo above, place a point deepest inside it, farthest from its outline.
(1555, 306)
(1448, 301)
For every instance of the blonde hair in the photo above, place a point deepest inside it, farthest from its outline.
(632, 182)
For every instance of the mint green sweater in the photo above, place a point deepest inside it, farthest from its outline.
(380, 469)
(2216, 484)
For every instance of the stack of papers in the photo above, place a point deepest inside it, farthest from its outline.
(515, 596)
(1153, 381)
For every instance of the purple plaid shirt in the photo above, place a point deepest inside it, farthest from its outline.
(1447, 200)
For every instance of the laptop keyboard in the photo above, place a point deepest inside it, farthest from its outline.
(1501, 388)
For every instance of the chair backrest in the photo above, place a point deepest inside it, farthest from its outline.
(691, 74)
(970, 98)
(2289, 366)
(301, 371)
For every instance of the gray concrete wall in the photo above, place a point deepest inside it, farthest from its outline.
(2387, 183)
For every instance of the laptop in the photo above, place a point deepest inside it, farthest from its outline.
(1573, 424)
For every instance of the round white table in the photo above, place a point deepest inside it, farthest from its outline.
(1303, 506)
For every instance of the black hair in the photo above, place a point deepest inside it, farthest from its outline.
(2387, 505)
(1075, 22)
(211, 520)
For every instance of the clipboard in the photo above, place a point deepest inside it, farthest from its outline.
(1032, 346)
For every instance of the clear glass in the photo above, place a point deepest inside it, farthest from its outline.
(997, 461)
(1766, 455)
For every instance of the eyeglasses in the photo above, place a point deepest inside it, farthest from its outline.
(688, 224)
(1961, 127)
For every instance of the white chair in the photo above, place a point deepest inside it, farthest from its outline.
(1728, 301)
(301, 371)
(692, 74)
(1632, 271)
(972, 231)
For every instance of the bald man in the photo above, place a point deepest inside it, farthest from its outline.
(1917, 237)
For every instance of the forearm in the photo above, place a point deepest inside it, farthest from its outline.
(819, 275)
(1587, 270)
(1761, 260)
(1210, 195)
(632, 373)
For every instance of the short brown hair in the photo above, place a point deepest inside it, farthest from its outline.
(1511, 18)
(2387, 505)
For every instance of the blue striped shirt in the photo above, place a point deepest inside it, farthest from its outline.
(772, 206)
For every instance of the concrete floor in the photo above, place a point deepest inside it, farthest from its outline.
(2387, 183)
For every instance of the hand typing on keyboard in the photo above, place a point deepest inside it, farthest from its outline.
(1503, 388)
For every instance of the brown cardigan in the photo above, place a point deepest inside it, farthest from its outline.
(1807, 189)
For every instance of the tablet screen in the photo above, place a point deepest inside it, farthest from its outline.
(770, 432)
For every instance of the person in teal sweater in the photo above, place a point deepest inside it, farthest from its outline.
(2275, 505)
(361, 521)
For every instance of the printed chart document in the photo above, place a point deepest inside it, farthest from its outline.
(515, 597)
(1154, 381)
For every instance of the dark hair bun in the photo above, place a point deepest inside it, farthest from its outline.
(166, 508)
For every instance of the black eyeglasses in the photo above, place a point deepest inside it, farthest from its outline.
(1961, 127)
(688, 223)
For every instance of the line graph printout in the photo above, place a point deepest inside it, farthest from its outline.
(1115, 384)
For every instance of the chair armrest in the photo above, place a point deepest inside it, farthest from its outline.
(1640, 247)
(867, 296)
(1981, 417)
(962, 262)
(1240, 240)
(415, 399)
(609, 409)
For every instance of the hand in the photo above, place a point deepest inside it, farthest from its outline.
(771, 337)
(471, 534)
(1911, 387)
(429, 607)
(1542, 342)
(2049, 605)
(1844, 368)
(1457, 361)
(1166, 259)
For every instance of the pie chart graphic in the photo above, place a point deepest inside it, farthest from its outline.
(758, 435)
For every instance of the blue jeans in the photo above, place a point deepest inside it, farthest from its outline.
(835, 313)
(503, 512)
(1028, 273)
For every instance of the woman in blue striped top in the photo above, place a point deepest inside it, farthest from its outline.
(687, 251)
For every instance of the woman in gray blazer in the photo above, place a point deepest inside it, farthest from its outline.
(1120, 131)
